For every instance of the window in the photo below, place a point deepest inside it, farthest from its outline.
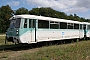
(76, 26)
(15, 23)
(80, 26)
(89, 27)
(43, 24)
(63, 25)
(54, 25)
(70, 25)
(32, 23)
(12, 23)
(84, 26)
(25, 23)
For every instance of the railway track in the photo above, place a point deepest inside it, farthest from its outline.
(17, 47)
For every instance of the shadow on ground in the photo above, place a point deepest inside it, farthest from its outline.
(19, 47)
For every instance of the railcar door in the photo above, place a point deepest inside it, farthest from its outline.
(84, 28)
(32, 26)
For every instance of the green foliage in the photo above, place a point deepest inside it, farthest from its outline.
(21, 10)
(48, 12)
(5, 14)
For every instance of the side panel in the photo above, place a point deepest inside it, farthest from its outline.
(60, 34)
(81, 34)
(88, 33)
(28, 37)
(87, 30)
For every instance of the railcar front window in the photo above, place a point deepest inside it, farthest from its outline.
(15, 23)
(12, 23)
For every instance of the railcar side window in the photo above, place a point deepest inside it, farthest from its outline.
(89, 27)
(43, 24)
(80, 26)
(84, 26)
(54, 25)
(25, 23)
(76, 26)
(63, 25)
(32, 23)
(70, 25)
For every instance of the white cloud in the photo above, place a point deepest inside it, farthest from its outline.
(13, 3)
(67, 6)
(46, 3)
(83, 3)
(71, 6)
(76, 9)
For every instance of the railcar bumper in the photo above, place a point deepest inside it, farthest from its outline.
(12, 39)
(9, 39)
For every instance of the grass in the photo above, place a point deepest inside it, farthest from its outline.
(76, 51)
(72, 51)
(2, 41)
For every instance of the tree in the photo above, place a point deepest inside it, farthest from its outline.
(21, 10)
(34, 11)
(49, 12)
(5, 14)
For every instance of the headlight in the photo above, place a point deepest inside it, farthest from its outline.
(17, 32)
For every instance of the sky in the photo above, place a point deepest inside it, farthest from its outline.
(78, 7)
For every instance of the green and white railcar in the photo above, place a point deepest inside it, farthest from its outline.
(86, 28)
(32, 29)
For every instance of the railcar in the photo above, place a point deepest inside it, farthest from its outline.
(32, 29)
(86, 27)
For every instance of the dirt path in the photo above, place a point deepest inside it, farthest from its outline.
(5, 55)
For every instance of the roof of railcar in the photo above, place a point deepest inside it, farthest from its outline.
(45, 18)
(86, 23)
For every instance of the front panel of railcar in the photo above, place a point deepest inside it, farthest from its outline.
(13, 31)
(22, 30)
